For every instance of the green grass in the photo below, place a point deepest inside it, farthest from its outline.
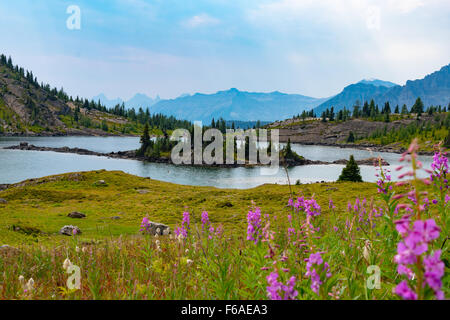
(118, 262)
(44, 203)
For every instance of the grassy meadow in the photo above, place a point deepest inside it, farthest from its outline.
(352, 233)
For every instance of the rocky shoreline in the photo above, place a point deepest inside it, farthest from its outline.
(79, 133)
(372, 147)
(131, 155)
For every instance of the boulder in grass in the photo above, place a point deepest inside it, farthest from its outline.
(154, 228)
(76, 215)
(6, 248)
(70, 230)
(101, 183)
(3, 201)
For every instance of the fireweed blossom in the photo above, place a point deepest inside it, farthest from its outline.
(434, 271)
(278, 291)
(254, 232)
(331, 204)
(206, 225)
(439, 181)
(439, 166)
(384, 184)
(145, 225)
(205, 220)
(317, 270)
(309, 206)
(184, 229)
(312, 208)
(364, 214)
(416, 240)
(403, 290)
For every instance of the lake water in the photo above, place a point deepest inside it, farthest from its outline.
(17, 165)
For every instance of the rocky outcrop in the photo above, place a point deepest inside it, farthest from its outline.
(76, 215)
(155, 228)
(70, 230)
(121, 154)
(365, 162)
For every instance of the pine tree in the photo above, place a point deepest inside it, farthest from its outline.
(145, 141)
(387, 108)
(351, 137)
(447, 140)
(417, 107)
(405, 109)
(288, 150)
(356, 111)
(76, 115)
(351, 171)
(366, 110)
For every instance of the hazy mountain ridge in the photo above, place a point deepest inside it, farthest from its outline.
(236, 105)
(434, 89)
(355, 92)
(379, 83)
(139, 100)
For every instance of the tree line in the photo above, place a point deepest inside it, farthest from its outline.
(372, 111)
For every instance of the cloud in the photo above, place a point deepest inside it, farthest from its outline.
(373, 18)
(201, 20)
(405, 6)
(299, 46)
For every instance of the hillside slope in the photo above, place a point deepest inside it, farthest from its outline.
(430, 129)
(29, 108)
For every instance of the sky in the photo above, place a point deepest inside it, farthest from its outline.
(173, 47)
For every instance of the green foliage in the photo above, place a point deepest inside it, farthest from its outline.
(351, 137)
(417, 107)
(431, 131)
(288, 154)
(447, 140)
(105, 126)
(351, 171)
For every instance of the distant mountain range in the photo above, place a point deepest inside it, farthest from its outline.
(233, 104)
(236, 105)
(137, 101)
(434, 89)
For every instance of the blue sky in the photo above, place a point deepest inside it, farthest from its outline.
(170, 47)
